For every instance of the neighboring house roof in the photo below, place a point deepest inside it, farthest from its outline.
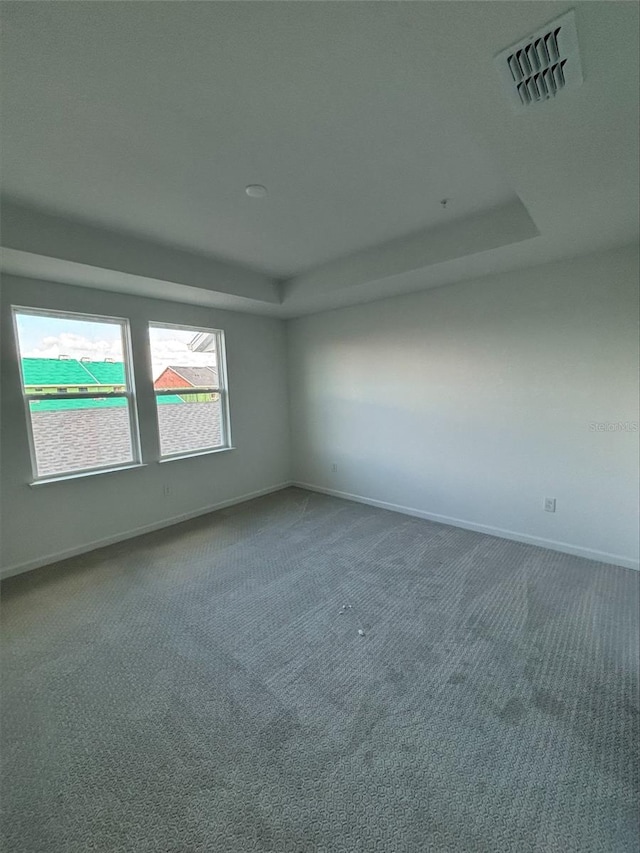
(107, 372)
(71, 404)
(54, 371)
(196, 376)
(59, 372)
(85, 424)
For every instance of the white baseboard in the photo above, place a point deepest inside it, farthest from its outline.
(18, 569)
(563, 547)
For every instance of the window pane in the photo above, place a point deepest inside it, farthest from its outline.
(189, 422)
(68, 355)
(77, 435)
(185, 359)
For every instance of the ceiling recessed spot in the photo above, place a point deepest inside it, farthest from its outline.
(256, 191)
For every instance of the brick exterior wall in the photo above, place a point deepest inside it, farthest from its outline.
(170, 379)
(68, 441)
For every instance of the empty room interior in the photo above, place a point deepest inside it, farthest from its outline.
(319, 427)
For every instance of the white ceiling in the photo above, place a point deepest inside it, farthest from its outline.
(146, 121)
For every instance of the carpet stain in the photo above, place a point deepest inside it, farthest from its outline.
(457, 678)
(280, 731)
(397, 678)
(366, 718)
(512, 712)
(479, 627)
(547, 703)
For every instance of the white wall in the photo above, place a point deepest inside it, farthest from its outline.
(44, 521)
(470, 403)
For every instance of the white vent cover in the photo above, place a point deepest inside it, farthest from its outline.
(542, 65)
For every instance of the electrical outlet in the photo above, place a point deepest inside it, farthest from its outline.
(549, 504)
(334, 468)
(166, 490)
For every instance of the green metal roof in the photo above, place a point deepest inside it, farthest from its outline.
(58, 373)
(71, 404)
(105, 403)
(55, 371)
(107, 372)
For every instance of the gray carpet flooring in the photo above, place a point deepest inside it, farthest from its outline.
(207, 688)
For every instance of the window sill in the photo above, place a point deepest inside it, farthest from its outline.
(61, 478)
(195, 453)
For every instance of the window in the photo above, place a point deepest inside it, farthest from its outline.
(189, 379)
(78, 392)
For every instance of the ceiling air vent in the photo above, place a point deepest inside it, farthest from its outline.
(542, 65)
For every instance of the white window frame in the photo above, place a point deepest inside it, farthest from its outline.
(129, 393)
(222, 389)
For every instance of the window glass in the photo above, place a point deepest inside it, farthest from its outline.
(63, 356)
(189, 382)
